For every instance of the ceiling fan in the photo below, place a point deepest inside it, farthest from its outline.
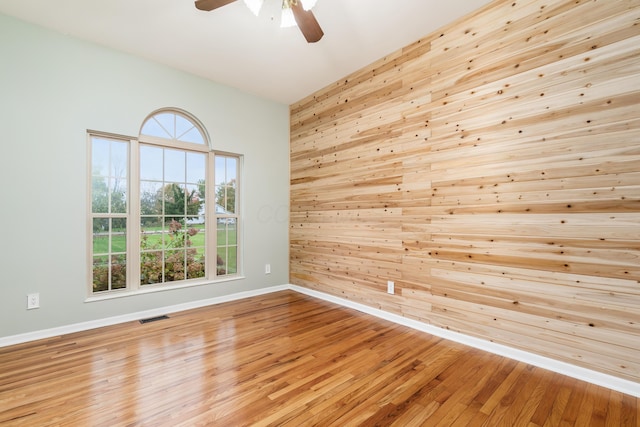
(301, 10)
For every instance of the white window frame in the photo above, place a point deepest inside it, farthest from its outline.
(133, 231)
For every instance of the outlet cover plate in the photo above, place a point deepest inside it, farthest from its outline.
(33, 301)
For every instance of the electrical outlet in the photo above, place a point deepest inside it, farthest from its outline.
(33, 301)
(267, 269)
(390, 287)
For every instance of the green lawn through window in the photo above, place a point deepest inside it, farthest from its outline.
(226, 238)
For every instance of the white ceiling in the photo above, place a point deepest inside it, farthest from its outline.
(232, 46)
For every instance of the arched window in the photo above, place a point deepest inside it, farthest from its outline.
(164, 207)
(175, 125)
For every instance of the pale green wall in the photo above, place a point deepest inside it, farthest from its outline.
(52, 89)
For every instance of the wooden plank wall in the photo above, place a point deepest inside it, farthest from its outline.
(492, 170)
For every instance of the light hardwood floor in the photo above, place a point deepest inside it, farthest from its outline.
(285, 359)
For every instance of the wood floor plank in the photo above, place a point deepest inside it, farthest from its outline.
(285, 359)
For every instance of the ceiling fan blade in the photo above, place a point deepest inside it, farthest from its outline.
(208, 5)
(306, 22)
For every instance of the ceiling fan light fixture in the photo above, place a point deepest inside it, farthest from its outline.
(308, 4)
(287, 19)
(295, 13)
(254, 5)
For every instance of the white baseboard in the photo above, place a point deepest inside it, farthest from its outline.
(594, 377)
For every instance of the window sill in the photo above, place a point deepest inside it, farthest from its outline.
(148, 289)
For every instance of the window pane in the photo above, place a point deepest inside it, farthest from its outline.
(220, 200)
(150, 198)
(119, 237)
(175, 238)
(174, 166)
(99, 157)
(174, 201)
(151, 237)
(231, 199)
(196, 255)
(194, 136)
(195, 236)
(150, 163)
(150, 224)
(99, 195)
(153, 128)
(167, 122)
(109, 176)
(119, 164)
(222, 232)
(118, 189)
(100, 236)
(193, 202)
(174, 266)
(225, 200)
(232, 260)
(196, 168)
(232, 169)
(195, 263)
(226, 182)
(165, 238)
(227, 260)
(100, 273)
(232, 181)
(220, 170)
(182, 126)
(221, 261)
(150, 267)
(119, 272)
(232, 235)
